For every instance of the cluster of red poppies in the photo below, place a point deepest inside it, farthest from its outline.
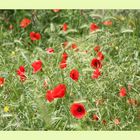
(58, 92)
(63, 63)
(77, 109)
(37, 66)
(21, 73)
(96, 63)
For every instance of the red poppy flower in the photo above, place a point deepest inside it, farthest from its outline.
(74, 74)
(123, 92)
(97, 48)
(95, 63)
(65, 27)
(50, 50)
(93, 27)
(107, 23)
(56, 10)
(2, 80)
(25, 22)
(100, 56)
(35, 36)
(74, 46)
(21, 73)
(49, 96)
(95, 117)
(59, 91)
(37, 66)
(64, 56)
(96, 74)
(117, 121)
(78, 110)
(63, 64)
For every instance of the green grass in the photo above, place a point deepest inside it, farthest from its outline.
(28, 109)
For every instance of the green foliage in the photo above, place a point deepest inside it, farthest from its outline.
(28, 109)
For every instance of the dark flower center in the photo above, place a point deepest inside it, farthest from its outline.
(96, 63)
(79, 109)
(73, 75)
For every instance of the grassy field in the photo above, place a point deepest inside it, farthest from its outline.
(106, 92)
